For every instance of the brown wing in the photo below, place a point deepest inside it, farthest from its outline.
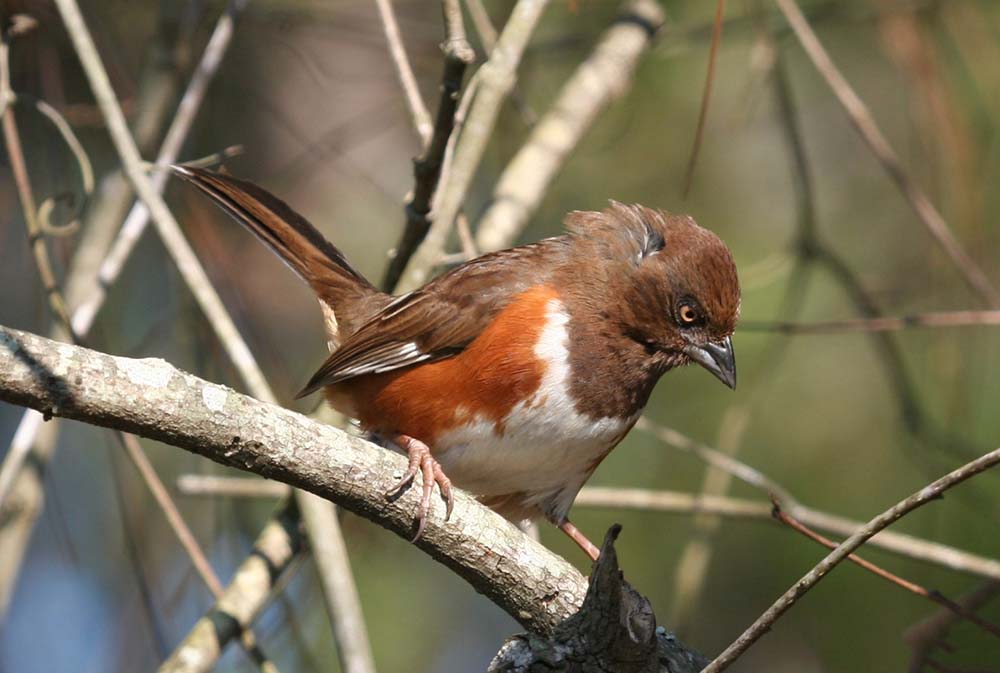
(443, 317)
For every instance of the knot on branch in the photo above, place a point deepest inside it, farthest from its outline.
(614, 631)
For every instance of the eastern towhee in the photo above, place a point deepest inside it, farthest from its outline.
(513, 375)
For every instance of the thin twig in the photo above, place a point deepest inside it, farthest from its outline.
(34, 442)
(604, 76)
(902, 544)
(716, 458)
(930, 492)
(188, 541)
(886, 324)
(670, 502)
(187, 263)
(344, 606)
(811, 248)
(706, 96)
(496, 77)
(414, 101)
(12, 142)
(488, 37)
(458, 55)
(275, 551)
(927, 634)
(912, 587)
(180, 126)
(886, 156)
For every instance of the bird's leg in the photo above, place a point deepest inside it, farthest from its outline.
(588, 547)
(421, 459)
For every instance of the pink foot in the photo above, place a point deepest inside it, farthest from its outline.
(421, 459)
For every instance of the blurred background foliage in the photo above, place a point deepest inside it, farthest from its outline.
(308, 90)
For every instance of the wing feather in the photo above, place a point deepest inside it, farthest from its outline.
(442, 318)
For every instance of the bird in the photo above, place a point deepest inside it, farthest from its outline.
(512, 375)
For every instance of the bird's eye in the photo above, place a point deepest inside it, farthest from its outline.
(688, 314)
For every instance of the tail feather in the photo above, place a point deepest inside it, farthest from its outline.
(340, 288)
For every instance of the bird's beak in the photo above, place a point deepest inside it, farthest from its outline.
(717, 358)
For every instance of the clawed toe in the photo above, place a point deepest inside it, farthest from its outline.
(421, 460)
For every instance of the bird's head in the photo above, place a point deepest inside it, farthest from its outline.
(677, 283)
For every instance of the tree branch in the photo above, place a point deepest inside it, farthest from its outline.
(604, 76)
(153, 399)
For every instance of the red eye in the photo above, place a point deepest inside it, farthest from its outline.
(688, 314)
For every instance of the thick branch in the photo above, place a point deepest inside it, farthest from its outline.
(153, 399)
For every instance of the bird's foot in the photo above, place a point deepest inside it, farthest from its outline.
(588, 547)
(431, 471)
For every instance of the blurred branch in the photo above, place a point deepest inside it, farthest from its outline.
(886, 324)
(277, 547)
(926, 635)
(487, 33)
(427, 167)
(926, 494)
(414, 101)
(912, 587)
(495, 79)
(58, 305)
(670, 502)
(604, 76)
(188, 541)
(33, 443)
(12, 143)
(716, 458)
(866, 126)
(187, 263)
(343, 604)
(706, 96)
(812, 249)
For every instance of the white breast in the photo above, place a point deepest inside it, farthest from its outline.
(547, 448)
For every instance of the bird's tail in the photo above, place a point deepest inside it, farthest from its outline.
(345, 295)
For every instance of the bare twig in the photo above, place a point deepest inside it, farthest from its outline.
(811, 248)
(12, 142)
(180, 126)
(496, 77)
(671, 502)
(488, 37)
(706, 97)
(414, 101)
(927, 634)
(33, 443)
(880, 147)
(82, 284)
(886, 324)
(902, 544)
(716, 458)
(930, 492)
(170, 233)
(188, 541)
(330, 551)
(427, 167)
(277, 547)
(603, 77)
(905, 584)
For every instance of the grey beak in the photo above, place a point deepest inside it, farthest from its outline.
(717, 358)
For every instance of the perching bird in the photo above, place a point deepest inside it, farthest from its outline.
(515, 374)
